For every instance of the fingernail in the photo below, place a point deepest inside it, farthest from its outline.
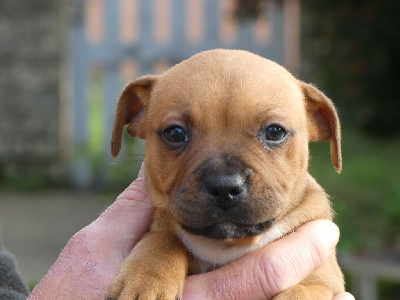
(329, 234)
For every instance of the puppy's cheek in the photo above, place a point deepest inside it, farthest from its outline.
(297, 154)
(188, 204)
(281, 173)
(270, 188)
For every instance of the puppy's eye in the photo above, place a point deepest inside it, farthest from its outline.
(274, 133)
(175, 134)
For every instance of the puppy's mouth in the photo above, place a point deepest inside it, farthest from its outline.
(229, 230)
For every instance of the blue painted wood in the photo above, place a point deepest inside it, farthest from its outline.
(112, 81)
(212, 24)
(146, 45)
(275, 49)
(80, 169)
(178, 23)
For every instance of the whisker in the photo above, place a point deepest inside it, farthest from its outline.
(130, 161)
(137, 154)
(319, 153)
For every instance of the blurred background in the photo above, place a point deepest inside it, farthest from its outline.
(64, 63)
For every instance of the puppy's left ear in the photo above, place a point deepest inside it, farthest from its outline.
(323, 121)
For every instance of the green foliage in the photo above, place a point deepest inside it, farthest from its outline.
(29, 182)
(366, 195)
(388, 289)
(32, 283)
(352, 49)
(96, 116)
(109, 173)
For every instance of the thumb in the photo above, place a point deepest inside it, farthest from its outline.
(344, 296)
(263, 273)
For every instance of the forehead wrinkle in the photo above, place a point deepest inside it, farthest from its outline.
(182, 115)
(264, 106)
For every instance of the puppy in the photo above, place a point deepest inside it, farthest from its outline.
(226, 158)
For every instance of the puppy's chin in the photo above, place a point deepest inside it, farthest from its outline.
(226, 230)
(213, 253)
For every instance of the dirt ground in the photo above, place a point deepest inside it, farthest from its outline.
(36, 225)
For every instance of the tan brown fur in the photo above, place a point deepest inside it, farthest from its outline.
(224, 97)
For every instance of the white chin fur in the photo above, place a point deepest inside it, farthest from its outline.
(216, 253)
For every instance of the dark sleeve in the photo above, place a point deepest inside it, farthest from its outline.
(12, 287)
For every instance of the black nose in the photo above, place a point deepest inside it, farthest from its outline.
(225, 190)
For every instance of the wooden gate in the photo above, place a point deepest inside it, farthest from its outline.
(114, 41)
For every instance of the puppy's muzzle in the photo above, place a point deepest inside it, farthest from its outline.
(221, 201)
(224, 190)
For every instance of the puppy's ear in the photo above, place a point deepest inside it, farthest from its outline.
(323, 121)
(130, 110)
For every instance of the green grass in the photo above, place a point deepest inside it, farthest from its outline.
(96, 115)
(108, 172)
(366, 195)
(32, 283)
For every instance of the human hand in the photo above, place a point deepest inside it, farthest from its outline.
(266, 272)
(93, 256)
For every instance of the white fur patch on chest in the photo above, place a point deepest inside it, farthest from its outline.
(215, 253)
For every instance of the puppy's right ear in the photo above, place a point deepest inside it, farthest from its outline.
(130, 110)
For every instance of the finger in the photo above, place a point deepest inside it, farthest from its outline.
(344, 296)
(270, 270)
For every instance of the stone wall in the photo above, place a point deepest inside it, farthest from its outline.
(30, 56)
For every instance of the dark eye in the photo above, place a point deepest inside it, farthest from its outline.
(175, 134)
(275, 133)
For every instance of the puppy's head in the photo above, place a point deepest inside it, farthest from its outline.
(227, 140)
